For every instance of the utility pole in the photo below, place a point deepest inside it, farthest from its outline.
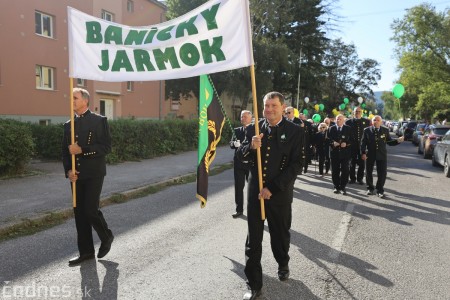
(298, 83)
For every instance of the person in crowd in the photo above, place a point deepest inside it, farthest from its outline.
(289, 115)
(279, 141)
(308, 139)
(340, 142)
(358, 123)
(373, 151)
(321, 143)
(241, 168)
(92, 143)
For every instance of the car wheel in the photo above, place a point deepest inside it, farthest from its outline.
(447, 166)
(433, 161)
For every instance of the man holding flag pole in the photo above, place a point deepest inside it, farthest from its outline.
(278, 142)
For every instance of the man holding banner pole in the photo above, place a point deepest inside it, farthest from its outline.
(278, 141)
(92, 143)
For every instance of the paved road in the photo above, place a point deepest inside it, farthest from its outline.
(37, 195)
(342, 247)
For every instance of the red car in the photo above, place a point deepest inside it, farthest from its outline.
(430, 138)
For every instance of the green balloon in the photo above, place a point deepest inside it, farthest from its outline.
(398, 90)
(346, 100)
(321, 107)
(316, 118)
(305, 111)
(363, 105)
(342, 106)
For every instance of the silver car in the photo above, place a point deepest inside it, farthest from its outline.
(441, 153)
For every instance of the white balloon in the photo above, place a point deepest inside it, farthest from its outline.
(360, 100)
(306, 99)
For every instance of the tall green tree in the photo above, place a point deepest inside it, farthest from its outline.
(423, 52)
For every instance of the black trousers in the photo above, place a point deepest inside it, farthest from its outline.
(356, 161)
(339, 172)
(381, 174)
(88, 214)
(240, 176)
(323, 160)
(279, 219)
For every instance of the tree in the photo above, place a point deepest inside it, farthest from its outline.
(423, 51)
(347, 75)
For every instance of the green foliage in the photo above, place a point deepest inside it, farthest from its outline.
(47, 141)
(16, 146)
(423, 43)
(135, 140)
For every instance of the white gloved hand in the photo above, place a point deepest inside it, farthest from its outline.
(237, 143)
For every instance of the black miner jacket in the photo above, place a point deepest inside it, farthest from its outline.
(93, 136)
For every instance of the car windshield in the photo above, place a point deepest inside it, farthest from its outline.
(420, 126)
(440, 131)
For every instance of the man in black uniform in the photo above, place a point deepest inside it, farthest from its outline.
(279, 142)
(290, 116)
(308, 138)
(241, 169)
(92, 143)
(357, 124)
(373, 150)
(340, 143)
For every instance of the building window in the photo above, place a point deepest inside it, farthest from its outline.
(130, 6)
(43, 24)
(45, 122)
(107, 16)
(130, 86)
(81, 82)
(45, 78)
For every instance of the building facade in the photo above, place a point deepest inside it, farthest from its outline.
(34, 63)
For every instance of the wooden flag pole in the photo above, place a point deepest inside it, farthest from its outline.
(258, 150)
(72, 141)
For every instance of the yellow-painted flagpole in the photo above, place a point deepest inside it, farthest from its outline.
(72, 141)
(258, 150)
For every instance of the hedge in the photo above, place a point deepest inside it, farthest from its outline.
(132, 140)
(16, 146)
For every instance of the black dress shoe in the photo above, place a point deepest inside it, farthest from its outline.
(381, 195)
(80, 258)
(251, 295)
(369, 192)
(336, 191)
(237, 214)
(360, 182)
(344, 192)
(105, 247)
(352, 181)
(283, 275)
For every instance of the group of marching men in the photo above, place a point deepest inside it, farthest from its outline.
(285, 146)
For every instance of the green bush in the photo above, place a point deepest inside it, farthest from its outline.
(132, 140)
(16, 146)
(47, 141)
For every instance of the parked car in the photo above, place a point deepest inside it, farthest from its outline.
(399, 130)
(429, 139)
(392, 126)
(408, 130)
(418, 132)
(441, 154)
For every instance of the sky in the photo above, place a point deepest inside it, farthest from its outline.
(366, 24)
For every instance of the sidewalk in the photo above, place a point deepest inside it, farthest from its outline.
(33, 196)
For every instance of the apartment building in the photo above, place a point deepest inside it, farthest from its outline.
(34, 80)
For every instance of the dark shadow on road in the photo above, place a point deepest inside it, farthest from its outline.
(318, 252)
(90, 283)
(274, 289)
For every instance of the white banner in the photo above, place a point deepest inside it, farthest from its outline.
(212, 38)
